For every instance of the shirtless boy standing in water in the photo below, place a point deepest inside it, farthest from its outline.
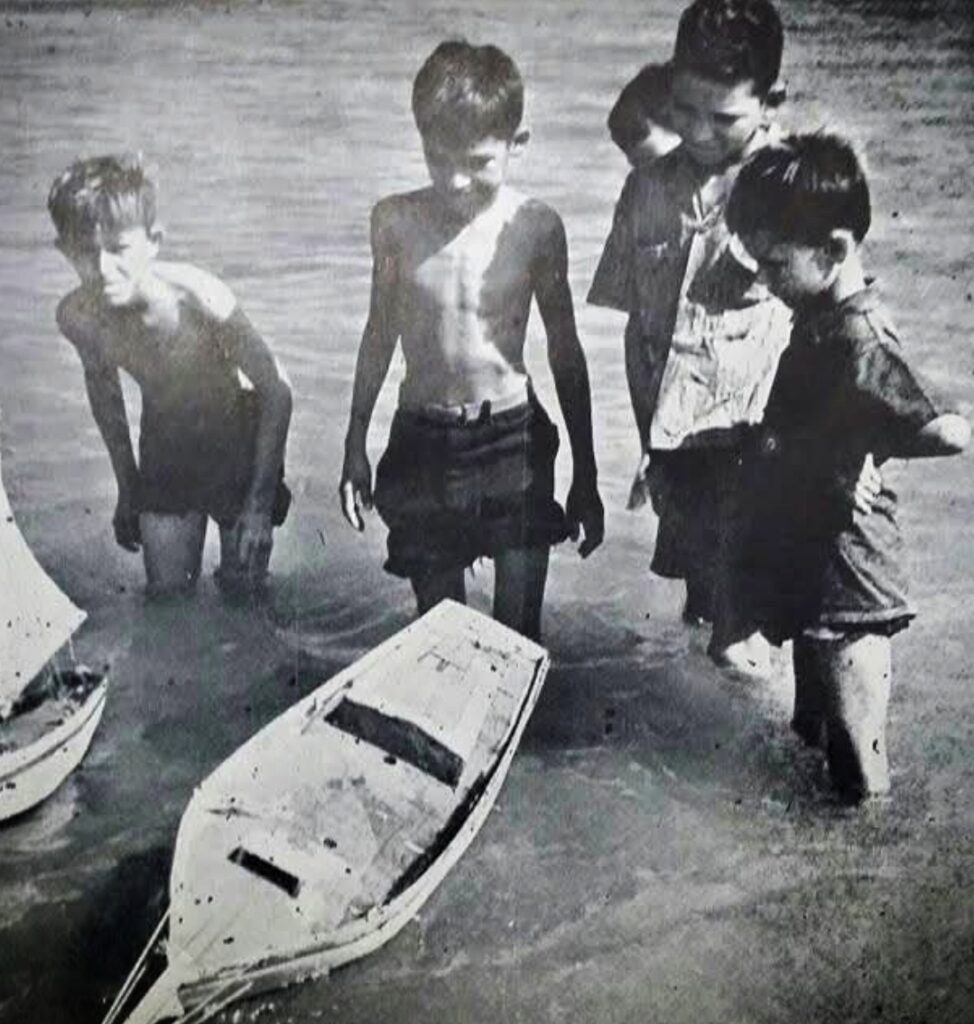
(469, 467)
(208, 445)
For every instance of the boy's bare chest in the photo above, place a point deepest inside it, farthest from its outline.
(158, 348)
(468, 274)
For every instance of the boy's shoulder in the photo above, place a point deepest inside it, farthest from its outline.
(856, 324)
(406, 212)
(197, 288)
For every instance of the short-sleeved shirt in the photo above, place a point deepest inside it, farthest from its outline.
(842, 390)
(710, 333)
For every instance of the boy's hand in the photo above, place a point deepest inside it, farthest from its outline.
(253, 537)
(126, 524)
(355, 489)
(862, 491)
(584, 512)
(639, 492)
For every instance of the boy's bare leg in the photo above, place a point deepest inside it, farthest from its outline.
(172, 549)
(808, 719)
(856, 677)
(233, 577)
(433, 587)
(519, 581)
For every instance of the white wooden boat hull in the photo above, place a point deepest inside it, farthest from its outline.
(30, 774)
(212, 955)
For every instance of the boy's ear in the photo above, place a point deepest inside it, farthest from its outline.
(521, 138)
(840, 245)
(776, 95)
(156, 234)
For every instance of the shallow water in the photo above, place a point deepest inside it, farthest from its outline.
(662, 850)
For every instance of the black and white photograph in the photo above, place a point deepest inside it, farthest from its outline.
(484, 501)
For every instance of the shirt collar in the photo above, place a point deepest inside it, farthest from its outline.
(818, 320)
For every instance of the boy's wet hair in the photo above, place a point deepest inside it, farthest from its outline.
(731, 41)
(107, 193)
(464, 93)
(801, 191)
(645, 98)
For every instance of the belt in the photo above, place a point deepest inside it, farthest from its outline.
(468, 412)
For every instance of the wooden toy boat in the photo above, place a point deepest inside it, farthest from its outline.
(322, 836)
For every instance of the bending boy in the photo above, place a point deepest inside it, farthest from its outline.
(469, 467)
(208, 446)
(829, 575)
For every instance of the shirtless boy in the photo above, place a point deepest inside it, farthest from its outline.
(469, 467)
(208, 445)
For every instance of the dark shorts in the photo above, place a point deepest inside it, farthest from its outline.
(452, 492)
(696, 495)
(203, 468)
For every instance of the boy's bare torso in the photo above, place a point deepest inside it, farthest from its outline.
(166, 344)
(462, 293)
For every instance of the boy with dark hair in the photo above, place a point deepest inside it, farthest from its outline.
(469, 467)
(639, 121)
(208, 446)
(828, 576)
(703, 337)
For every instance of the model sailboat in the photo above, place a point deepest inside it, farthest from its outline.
(322, 836)
(48, 714)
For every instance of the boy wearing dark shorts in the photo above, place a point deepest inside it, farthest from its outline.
(469, 468)
(211, 444)
(819, 572)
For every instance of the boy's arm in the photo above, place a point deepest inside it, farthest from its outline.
(371, 366)
(643, 379)
(570, 372)
(107, 404)
(248, 351)
(947, 434)
(916, 421)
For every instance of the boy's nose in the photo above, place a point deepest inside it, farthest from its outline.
(458, 180)
(701, 130)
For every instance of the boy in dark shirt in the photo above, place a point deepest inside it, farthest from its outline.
(821, 573)
(703, 337)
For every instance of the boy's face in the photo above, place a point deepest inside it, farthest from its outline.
(467, 176)
(795, 273)
(657, 142)
(115, 262)
(716, 121)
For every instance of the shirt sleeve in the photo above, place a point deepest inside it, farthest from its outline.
(901, 400)
(612, 284)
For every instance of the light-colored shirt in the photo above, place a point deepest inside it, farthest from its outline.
(710, 334)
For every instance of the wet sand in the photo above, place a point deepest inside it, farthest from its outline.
(663, 849)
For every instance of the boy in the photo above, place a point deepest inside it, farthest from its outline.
(469, 468)
(829, 575)
(207, 446)
(703, 338)
(639, 122)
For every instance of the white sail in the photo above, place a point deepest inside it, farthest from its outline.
(36, 618)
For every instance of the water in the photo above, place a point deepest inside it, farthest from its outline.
(661, 850)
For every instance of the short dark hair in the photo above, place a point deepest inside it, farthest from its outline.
(801, 191)
(731, 41)
(645, 98)
(102, 192)
(463, 93)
